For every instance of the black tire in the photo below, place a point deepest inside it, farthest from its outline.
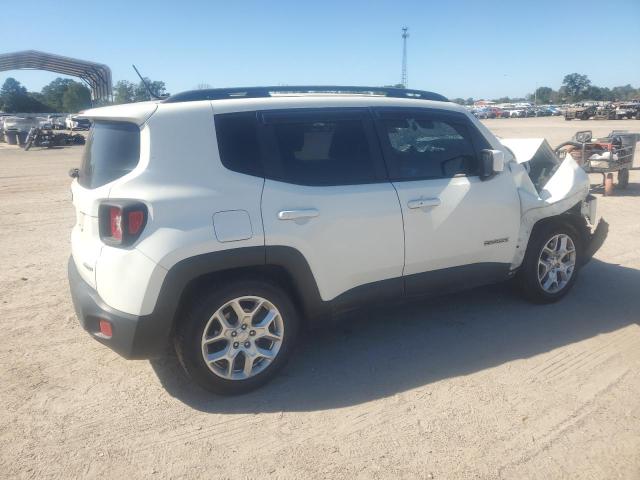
(528, 274)
(623, 178)
(188, 337)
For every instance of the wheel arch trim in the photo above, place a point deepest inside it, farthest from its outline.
(182, 275)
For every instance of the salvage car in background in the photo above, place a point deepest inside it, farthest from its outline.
(580, 112)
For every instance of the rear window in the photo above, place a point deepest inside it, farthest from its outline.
(112, 151)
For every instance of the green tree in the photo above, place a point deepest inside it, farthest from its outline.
(141, 94)
(576, 85)
(15, 99)
(596, 93)
(459, 101)
(124, 92)
(52, 94)
(76, 97)
(626, 92)
(38, 104)
(544, 94)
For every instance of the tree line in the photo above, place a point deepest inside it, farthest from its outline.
(67, 95)
(575, 88)
(61, 95)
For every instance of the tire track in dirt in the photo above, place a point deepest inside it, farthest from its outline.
(573, 421)
(565, 359)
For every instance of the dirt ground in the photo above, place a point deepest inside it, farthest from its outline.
(476, 385)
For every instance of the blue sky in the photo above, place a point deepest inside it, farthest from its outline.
(458, 48)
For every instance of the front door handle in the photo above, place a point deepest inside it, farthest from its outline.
(424, 202)
(297, 214)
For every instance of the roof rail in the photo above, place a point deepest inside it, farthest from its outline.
(263, 92)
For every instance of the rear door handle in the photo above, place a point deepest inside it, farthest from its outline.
(424, 202)
(297, 214)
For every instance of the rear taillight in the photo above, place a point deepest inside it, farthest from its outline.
(121, 222)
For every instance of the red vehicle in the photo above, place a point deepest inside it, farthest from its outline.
(499, 112)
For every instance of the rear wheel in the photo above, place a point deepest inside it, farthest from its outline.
(237, 337)
(551, 263)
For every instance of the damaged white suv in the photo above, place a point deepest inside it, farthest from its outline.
(221, 221)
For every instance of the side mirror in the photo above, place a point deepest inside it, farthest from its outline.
(491, 163)
(74, 173)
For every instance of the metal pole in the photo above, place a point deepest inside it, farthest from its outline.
(404, 80)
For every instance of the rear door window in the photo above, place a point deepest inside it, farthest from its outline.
(322, 148)
(112, 151)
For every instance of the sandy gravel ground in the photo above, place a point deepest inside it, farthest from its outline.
(476, 385)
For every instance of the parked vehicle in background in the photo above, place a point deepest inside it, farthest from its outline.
(499, 112)
(44, 123)
(626, 110)
(74, 122)
(266, 214)
(580, 112)
(57, 121)
(543, 111)
(20, 124)
(16, 128)
(483, 113)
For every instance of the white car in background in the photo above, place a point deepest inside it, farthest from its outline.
(57, 121)
(75, 122)
(20, 123)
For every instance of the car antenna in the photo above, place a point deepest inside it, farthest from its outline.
(148, 87)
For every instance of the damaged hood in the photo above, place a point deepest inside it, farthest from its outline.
(523, 149)
(552, 180)
(567, 180)
(546, 186)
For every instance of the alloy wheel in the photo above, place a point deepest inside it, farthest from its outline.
(556, 263)
(242, 338)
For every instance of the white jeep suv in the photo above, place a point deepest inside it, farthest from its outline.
(222, 221)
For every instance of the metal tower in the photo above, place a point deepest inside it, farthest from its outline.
(405, 34)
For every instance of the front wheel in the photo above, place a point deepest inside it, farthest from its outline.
(551, 263)
(235, 338)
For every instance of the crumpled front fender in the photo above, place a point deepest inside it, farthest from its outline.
(567, 187)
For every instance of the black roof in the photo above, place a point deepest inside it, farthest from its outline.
(262, 92)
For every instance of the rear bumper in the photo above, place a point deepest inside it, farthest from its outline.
(133, 336)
